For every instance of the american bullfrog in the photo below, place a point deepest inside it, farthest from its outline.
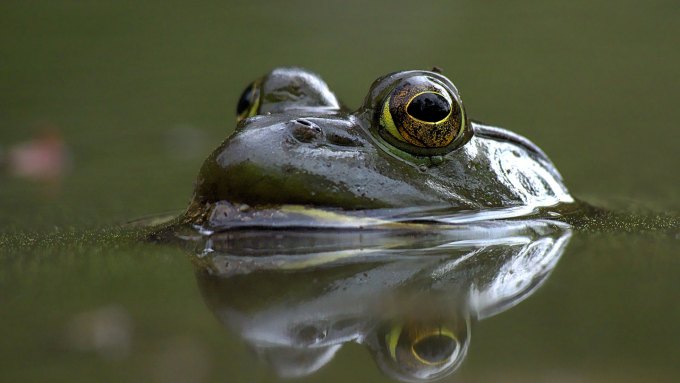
(411, 145)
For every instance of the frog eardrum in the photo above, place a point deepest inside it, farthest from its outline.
(422, 116)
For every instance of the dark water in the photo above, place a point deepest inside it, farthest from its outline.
(141, 94)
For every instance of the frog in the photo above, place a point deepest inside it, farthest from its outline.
(298, 152)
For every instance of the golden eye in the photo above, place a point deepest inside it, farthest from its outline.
(422, 349)
(249, 102)
(435, 348)
(424, 345)
(422, 117)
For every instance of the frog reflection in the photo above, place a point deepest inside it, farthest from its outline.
(410, 297)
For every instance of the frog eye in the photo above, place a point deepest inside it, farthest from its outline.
(427, 349)
(421, 116)
(249, 102)
(435, 348)
(421, 351)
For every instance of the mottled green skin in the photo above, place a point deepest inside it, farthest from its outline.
(302, 147)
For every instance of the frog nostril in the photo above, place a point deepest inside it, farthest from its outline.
(305, 130)
(304, 122)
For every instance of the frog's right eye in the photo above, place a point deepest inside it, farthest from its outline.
(423, 116)
(422, 350)
(423, 346)
(249, 102)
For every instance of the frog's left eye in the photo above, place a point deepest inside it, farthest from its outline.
(423, 117)
(249, 102)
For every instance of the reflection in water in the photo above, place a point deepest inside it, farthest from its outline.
(408, 296)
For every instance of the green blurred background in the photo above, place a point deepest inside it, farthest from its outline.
(595, 84)
(142, 91)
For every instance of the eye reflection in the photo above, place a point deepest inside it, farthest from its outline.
(435, 348)
(426, 343)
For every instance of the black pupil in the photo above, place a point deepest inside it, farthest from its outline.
(435, 349)
(245, 100)
(429, 107)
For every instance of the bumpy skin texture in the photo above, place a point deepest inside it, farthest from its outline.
(301, 147)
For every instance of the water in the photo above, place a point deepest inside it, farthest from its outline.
(529, 300)
(140, 95)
